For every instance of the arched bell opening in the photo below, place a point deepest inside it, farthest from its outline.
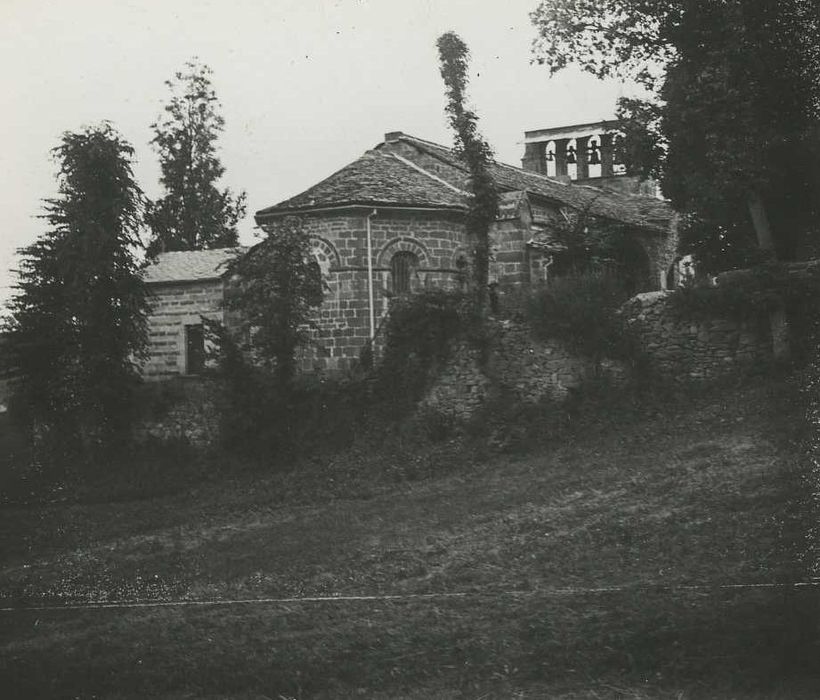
(594, 157)
(572, 159)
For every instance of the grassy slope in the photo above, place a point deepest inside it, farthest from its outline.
(705, 491)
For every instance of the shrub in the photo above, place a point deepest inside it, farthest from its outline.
(270, 419)
(581, 311)
(418, 334)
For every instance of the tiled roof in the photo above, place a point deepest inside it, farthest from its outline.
(189, 265)
(381, 177)
(638, 210)
(376, 178)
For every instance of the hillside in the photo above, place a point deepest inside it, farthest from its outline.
(590, 565)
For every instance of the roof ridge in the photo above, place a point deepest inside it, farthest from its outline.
(424, 142)
(204, 250)
(493, 161)
(532, 173)
(430, 175)
(336, 172)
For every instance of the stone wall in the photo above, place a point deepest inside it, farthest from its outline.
(527, 370)
(176, 305)
(339, 242)
(681, 347)
(517, 366)
(184, 409)
(437, 239)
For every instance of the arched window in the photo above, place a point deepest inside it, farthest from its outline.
(402, 270)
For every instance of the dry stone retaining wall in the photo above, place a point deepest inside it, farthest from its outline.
(182, 409)
(517, 365)
(680, 346)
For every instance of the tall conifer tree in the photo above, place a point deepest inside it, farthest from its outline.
(78, 320)
(194, 213)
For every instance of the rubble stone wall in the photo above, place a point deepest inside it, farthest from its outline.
(515, 364)
(677, 346)
(184, 409)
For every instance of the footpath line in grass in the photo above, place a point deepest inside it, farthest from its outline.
(544, 592)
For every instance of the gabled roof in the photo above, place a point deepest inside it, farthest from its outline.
(383, 177)
(376, 178)
(189, 265)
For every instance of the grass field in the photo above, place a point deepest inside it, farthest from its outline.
(590, 565)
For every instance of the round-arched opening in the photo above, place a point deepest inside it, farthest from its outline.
(403, 267)
(315, 283)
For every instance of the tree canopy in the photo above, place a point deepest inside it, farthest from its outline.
(78, 319)
(733, 129)
(194, 213)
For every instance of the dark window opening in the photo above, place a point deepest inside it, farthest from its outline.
(462, 272)
(316, 291)
(194, 349)
(402, 268)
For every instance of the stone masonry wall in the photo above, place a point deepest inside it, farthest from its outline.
(183, 409)
(520, 367)
(528, 370)
(340, 244)
(436, 238)
(176, 305)
(684, 348)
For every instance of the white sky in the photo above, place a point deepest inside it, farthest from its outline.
(306, 86)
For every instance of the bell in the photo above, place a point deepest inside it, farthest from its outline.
(550, 156)
(594, 153)
(571, 155)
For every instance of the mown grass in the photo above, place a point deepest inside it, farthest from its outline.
(650, 494)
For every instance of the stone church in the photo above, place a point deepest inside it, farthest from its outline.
(392, 222)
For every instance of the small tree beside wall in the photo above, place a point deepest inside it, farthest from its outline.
(276, 287)
(274, 290)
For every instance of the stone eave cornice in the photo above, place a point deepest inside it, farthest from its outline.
(279, 212)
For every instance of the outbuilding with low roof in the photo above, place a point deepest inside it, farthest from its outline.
(185, 286)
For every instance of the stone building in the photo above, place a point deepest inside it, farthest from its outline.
(392, 221)
(185, 286)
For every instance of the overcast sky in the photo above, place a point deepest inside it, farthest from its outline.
(306, 86)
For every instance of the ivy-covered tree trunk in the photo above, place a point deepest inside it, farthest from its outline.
(778, 322)
(483, 208)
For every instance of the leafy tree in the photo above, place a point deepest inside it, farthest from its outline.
(733, 131)
(483, 209)
(194, 213)
(78, 319)
(278, 285)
